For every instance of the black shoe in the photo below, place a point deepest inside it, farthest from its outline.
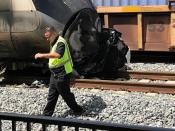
(79, 111)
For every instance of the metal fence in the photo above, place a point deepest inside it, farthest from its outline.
(77, 124)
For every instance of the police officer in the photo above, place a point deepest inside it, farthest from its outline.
(61, 67)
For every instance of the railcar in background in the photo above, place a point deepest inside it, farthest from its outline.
(94, 49)
(146, 25)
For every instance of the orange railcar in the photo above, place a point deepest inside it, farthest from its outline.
(146, 28)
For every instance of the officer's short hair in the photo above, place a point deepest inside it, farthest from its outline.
(50, 29)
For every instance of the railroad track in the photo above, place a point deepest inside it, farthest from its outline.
(167, 87)
(147, 75)
(125, 86)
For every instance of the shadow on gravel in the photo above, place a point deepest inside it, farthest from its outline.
(92, 107)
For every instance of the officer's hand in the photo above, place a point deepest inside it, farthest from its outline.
(38, 55)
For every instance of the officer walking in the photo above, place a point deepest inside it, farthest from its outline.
(61, 67)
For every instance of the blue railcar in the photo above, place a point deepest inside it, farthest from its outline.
(129, 2)
(134, 2)
(125, 2)
(115, 3)
(98, 2)
(107, 2)
(143, 2)
(162, 2)
(152, 2)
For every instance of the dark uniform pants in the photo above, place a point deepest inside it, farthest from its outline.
(60, 85)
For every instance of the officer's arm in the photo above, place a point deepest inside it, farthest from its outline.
(57, 54)
(47, 55)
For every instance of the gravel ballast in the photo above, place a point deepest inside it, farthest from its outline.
(157, 67)
(149, 109)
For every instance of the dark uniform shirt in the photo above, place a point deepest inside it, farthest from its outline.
(60, 48)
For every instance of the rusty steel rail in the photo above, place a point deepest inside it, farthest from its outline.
(147, 75)
(166, 87)
(125, 86)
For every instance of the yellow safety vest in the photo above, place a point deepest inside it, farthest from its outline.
(64, 60)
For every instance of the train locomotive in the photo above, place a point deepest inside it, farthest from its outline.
(94, 49)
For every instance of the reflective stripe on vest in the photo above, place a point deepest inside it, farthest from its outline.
(64, 60)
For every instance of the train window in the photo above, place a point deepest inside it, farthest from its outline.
(5, 5)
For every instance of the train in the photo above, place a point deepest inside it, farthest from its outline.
(94, 49)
